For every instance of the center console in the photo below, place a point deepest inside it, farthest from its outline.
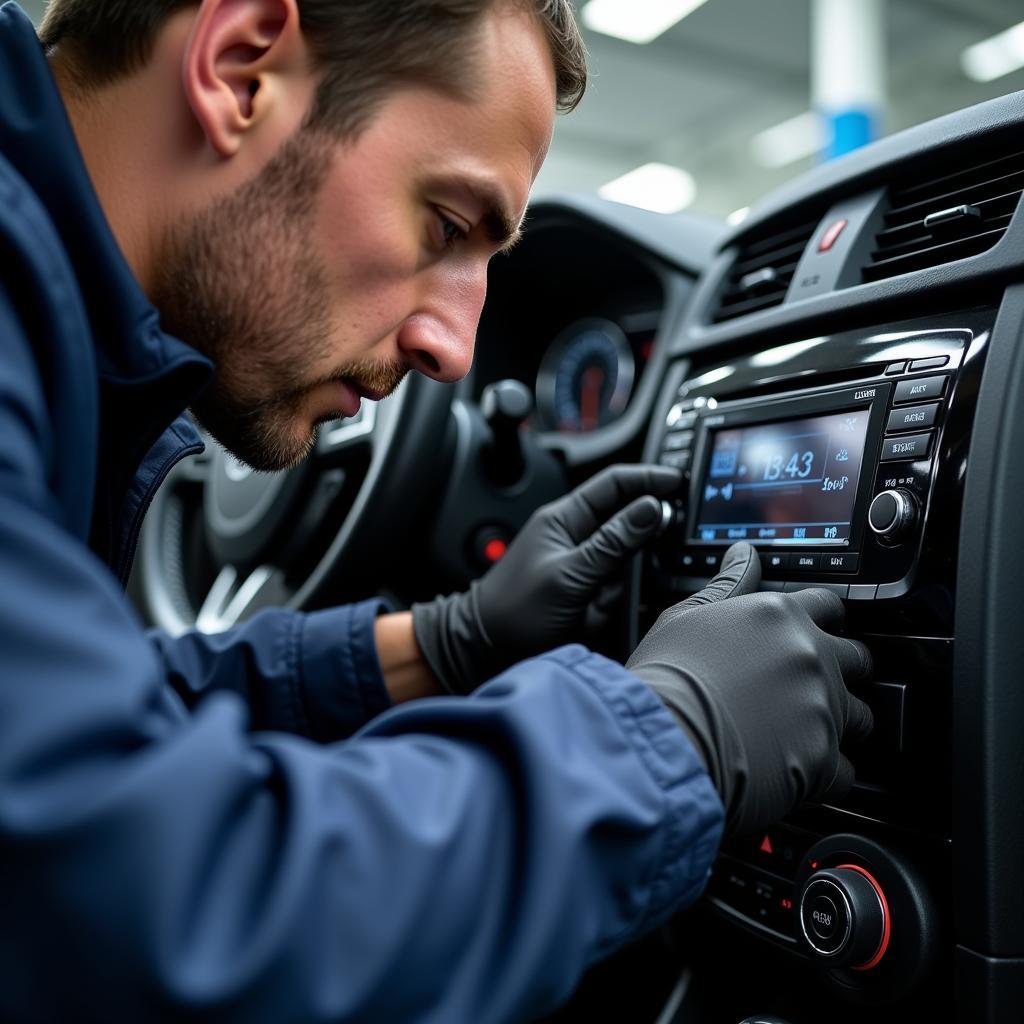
(842, 459)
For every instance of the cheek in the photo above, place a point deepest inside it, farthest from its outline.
(370, 264)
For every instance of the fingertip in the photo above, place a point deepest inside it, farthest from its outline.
(860, 720)
(665, 480)
(825, 608)
(842, 782)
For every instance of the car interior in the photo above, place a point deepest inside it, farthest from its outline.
(840, 378)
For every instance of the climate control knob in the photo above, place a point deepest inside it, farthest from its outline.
(844, 916)
(893, 515)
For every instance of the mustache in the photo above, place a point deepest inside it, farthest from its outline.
(377, 378)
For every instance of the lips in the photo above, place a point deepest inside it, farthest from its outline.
(371, 396)
(348, 398)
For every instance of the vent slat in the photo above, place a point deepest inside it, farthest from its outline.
(961, 178)
(922, 242)
(750, 306)
(976, 195)
(995, 207)
(779, 252)
(904, 245)
(776, 258)
(934, 256)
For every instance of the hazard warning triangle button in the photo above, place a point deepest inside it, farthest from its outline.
(766, 845)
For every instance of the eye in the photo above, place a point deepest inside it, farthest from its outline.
(451, 232)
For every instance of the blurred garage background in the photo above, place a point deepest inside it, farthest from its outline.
(729, 98)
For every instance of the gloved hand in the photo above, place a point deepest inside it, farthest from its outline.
(757, 682)
(537, 597)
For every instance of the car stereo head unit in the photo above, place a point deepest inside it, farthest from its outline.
(831, 483)
(786, 476)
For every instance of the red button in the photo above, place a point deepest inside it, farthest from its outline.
(495, 549)
(830, 236)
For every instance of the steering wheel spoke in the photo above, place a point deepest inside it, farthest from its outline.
(231, 598)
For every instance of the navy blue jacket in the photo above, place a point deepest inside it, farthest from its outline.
(237, 827)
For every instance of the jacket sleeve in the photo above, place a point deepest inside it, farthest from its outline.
(458, 860)
(315, 675)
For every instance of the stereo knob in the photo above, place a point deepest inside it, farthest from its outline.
(893, 514)
(844, 916)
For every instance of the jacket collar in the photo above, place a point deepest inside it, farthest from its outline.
(37, 139)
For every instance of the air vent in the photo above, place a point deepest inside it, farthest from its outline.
(761, 274)
(947, 218)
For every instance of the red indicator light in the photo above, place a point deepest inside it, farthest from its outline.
(831, 235)
(495, 549)
(766, 845)
(786, 904)
(814, 865)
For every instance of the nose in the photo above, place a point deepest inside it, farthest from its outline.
(438, 339)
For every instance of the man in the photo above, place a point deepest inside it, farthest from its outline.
(309, 193)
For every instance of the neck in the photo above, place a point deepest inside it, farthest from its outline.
(99, 124)
(135, 137)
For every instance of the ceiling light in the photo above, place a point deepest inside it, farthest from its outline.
(636, 21)
(996, 56)
(799, 137)
(656, 187)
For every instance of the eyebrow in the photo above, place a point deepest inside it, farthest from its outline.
(501, 227)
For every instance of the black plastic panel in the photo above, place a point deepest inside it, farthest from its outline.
(989, 693)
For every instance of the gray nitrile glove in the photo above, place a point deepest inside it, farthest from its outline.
(758, 683)
(539, 595)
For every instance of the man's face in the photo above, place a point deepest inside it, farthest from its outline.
(344, 264)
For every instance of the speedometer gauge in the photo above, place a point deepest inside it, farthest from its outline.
(586, 377)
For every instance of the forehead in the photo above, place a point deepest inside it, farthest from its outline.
(498, 133)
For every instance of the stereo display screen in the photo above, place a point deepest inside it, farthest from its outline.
(792, 482)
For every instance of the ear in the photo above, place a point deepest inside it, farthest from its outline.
(238, 60)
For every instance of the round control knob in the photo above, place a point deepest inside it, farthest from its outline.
(892, 515)
(844, 917)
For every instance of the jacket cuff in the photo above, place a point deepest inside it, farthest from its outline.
(695, 817)
(341, 680)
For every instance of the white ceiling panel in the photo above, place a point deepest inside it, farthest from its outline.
(696, 95)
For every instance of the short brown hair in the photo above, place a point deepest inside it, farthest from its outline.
(365, 48)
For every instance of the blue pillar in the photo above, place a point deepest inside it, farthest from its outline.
(848, 71)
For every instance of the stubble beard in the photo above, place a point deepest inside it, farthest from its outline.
(240, 283)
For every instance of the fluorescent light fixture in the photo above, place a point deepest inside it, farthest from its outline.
(792, 140)
(996, 56)
(636, 21)
(738, 216)
(656, 187)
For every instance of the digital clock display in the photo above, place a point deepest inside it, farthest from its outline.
(793, 482)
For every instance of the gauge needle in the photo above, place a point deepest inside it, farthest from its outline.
(590, 397)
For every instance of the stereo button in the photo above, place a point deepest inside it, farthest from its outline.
(912, 417)
(839, 563)
(932, 363)
(678, 460)
(920, 389)
(910, 446)
(680, 439)
(805, 563)
(774, 561)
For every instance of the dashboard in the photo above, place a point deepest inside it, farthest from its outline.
(841, 382)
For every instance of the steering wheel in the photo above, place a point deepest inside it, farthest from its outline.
(222, 541)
